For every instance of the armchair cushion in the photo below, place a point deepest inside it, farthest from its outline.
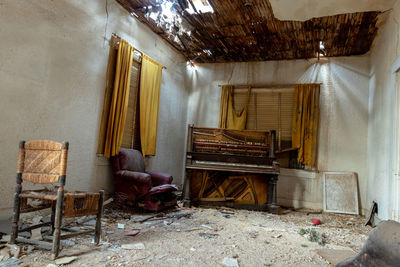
(159, 178)
(138, 177)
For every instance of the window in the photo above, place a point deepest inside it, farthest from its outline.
(269, 109)
(131, 136)
(272, 109)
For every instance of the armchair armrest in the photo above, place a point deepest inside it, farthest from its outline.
(159, 178)
(139, 177)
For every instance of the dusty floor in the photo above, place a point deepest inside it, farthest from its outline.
(204, 237)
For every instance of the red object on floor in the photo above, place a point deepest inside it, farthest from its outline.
(132, 233)
(316, 221)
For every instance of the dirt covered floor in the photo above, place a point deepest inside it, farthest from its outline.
(212, 237)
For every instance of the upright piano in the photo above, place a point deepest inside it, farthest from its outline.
(234, 168)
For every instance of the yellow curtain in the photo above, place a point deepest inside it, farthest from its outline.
(228, 117)
(150, 85)
(119, 100)
(305, 122)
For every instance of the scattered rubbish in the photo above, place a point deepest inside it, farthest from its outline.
(175, 224)
(110, 232)
(28, 249)
(253, 234)
(316, 221)
(90, 223)
(192, 249)
(133, 246)
(9, 251)
(206, 226)
(193, 229)
(208, 235)
(166, 223)
(67, 243)
(36, 234)
(176, 259)
(334, 256)
(286, 211)
(227, 212)
(84, 219)
(11, 262)
(313, 236)
(121, 226)
(266, 242)
(313, 212)
(159, 257)
(230, 262)
(65, 260)
(37, 219)
(108, 201)
(25, 234)
(132, 233)
(277, 236)
(5, 238)
(51, 265)
(304, 245)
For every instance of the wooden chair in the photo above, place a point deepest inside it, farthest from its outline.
(45, 162)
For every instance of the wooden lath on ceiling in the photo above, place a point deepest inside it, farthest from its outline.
(248, 31)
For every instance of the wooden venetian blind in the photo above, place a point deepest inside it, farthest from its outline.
(269, 109)
(131, 136)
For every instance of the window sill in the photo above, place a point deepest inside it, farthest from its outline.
(299, 173)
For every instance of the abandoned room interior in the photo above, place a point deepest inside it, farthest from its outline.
(200, 133)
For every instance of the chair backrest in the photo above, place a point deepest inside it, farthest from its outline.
(130, 160)
(42, 161)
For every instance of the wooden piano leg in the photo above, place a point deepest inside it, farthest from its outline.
(272, 198)
(187, 189)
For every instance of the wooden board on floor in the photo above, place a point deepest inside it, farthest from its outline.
(334, 256)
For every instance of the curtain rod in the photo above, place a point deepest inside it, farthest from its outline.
(265, 85)
(119, 38)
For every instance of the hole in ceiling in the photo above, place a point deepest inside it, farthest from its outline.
(200, 5)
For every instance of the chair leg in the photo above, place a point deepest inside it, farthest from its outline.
(57, 222)
(98, 220)
(53, 217)
(17, 207)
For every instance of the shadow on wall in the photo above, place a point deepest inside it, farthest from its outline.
(342, 137)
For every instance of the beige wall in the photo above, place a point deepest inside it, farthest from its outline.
(381, 109)
(343, 119)
(53, 57)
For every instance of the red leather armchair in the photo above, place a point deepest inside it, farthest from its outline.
(138, 187)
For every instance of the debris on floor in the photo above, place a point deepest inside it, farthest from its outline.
(65, 260)
(230, 262)
(10, 262)
(334, 256)
(133, 246)
(315, 221)
(132, 233)
(205, 237)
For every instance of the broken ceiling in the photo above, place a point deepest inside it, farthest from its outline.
(226, 30)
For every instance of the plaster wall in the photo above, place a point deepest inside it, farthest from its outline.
(381, 113)
(53, 58)
(343, 114)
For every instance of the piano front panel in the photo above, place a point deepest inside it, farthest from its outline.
(230, 166)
